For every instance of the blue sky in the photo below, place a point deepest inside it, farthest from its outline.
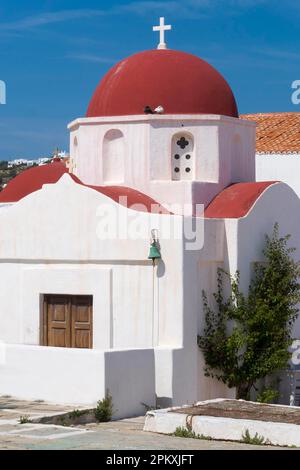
(53, 53)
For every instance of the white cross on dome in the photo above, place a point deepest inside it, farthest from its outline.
(162, 28)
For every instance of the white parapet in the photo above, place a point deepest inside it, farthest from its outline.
(226, 429)
(79, 376)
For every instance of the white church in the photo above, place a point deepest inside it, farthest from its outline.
(102, 265)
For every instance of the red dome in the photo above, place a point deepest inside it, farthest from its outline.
(181, 83)
(32, 180)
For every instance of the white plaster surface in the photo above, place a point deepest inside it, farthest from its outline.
(79, 377)
(279, 167)
(165, 422)
(224, 152)
(63, 240)
(136, 306)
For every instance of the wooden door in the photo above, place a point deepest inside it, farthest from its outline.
(81, 322)
(67, 321)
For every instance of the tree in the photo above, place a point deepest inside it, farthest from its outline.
(247, 336)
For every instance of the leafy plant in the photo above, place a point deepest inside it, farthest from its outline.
(187, 433)
(267, 395)
(24, 419)
(246, 337)
(104, 409)
(255, 440)
(184, 432)
(76, 414)
(181, 431)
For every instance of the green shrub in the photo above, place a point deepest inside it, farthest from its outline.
(247, 335)
(104, 409)
(77, 414)
(24, 419)
(184, 432)
(267, 395)
(187, 433)
(255, 440)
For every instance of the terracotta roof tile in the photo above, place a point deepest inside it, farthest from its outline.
(276, 132)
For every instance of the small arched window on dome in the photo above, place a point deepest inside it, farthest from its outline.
(182, 157)
(113, 156)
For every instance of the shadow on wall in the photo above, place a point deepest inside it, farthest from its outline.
(161, 268)
(163, 402)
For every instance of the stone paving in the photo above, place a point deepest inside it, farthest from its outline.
(124, 434)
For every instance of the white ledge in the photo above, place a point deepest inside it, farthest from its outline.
(219, 428)
(148, 118)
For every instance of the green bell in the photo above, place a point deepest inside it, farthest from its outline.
(154, 252)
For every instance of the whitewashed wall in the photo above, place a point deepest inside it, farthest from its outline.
(136, 306)
(224, 152)
(281, 167)
(279, 203)
(58, 251)
(79, 377)
(235, 244)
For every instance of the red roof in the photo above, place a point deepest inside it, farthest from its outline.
(33, 179)
(276, 132)
(233, 202)
(182, 83)
(236, 200)
(131, 198)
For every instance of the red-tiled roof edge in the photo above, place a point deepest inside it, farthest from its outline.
(277, 113)
(276, 133)
(130, 198)
(33, 179)
(127, 197)
(236, 200)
